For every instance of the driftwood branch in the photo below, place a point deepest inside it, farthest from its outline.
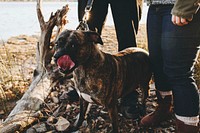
(27, 109)
(39, 14)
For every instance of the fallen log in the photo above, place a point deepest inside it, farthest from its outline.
(27, 109)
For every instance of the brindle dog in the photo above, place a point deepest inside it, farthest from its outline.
(101, 77)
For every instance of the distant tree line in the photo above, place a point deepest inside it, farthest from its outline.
(35, 0)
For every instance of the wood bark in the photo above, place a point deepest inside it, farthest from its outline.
(27, 109)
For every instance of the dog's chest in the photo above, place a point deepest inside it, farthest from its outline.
(89, 84)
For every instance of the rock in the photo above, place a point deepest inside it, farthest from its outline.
(52, 105)
(22, 40)
(2, 112)
(51, 120)
(54, 94)
(53, 131)
(55, 99)
(62, 124)
(38, 128)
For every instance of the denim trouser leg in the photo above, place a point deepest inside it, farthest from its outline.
(173, 51)
(154, 30)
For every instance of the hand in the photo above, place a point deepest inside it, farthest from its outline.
(180, 21)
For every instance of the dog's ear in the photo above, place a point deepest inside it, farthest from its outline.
(94, 37)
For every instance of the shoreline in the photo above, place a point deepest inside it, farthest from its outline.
(108, 30)
(21, 17)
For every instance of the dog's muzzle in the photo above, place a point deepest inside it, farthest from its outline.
(64, 63)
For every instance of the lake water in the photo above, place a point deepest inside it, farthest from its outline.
(21, 17)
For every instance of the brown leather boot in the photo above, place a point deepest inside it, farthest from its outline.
(181, 127)
(163, 112)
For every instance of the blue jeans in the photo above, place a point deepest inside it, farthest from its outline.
(173, 52)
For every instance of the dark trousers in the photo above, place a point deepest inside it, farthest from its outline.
(173, 52)
(126, 15)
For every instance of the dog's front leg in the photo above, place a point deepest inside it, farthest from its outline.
(81, 116)
(113, 113)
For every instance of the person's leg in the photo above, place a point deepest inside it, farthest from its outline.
(97, 14)
(81, 8)
(124, 25)
(163, 93)
(154, 33)
(180, 47)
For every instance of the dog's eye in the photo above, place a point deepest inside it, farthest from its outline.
(71, 44)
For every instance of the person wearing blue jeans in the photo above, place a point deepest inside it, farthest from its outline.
(173, 29)
(126, 16)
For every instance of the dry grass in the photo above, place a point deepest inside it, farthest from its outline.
(16, 67)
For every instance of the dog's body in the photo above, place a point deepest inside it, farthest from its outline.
(105, 77)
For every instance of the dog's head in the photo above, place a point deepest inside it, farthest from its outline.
(73, 47)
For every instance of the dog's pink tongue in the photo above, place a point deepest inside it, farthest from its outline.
(65, 63)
